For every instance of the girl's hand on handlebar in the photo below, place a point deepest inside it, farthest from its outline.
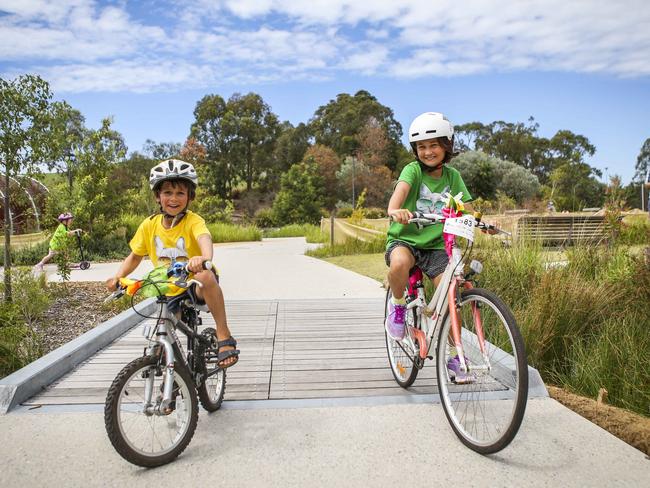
(490, 229)
(400, 215)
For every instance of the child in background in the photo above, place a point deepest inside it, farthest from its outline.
(58, 240)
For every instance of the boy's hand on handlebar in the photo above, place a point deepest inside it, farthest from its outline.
(112, 283)
(400, 215)
(195, 264)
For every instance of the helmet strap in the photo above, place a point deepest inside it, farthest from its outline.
(174, 218)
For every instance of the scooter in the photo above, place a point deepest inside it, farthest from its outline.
(83, 264)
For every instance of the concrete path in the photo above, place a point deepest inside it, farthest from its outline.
(267, 270)
(371, 441)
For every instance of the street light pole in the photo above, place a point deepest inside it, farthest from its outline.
(353, 195)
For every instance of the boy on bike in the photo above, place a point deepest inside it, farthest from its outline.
(177, 233)
(58, 240)
(421, 186)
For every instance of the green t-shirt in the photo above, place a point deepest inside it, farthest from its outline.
(426, 195)
(59, 238)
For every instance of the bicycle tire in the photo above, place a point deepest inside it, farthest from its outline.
(212, 390)
(485, 413)
(400, 355)
(123, 410)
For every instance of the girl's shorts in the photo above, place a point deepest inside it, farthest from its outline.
(432, 262)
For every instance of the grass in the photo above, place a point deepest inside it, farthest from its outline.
(585, 325)
(221, 232)
(311, 232)
(350, 247)
(371, 265)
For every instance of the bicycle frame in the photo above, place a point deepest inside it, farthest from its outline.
(167, 339)
(444, 298)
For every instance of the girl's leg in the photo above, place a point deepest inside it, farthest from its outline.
(212, 295)
(46, 259)
(401, 262)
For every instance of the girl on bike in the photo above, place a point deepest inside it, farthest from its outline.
(59, 239)
(421, 186)
(178, 234)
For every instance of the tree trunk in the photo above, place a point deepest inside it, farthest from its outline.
(7, 269)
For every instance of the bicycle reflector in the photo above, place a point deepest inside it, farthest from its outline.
(476, 266)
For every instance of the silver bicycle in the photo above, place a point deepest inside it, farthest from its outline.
(151, 409)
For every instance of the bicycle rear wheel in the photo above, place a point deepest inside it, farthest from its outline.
(402, 354)
(139, 432)
(486, 412)
(213, 387)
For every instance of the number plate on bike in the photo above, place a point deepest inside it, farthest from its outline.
(461, 226)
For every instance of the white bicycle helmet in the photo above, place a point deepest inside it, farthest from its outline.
(172, 169)
(430, 125)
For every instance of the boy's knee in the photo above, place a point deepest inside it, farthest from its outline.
(207, 278)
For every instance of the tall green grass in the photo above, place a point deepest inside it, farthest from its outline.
(222, 232)
(311, 232)
(585, 324)
(351, 246)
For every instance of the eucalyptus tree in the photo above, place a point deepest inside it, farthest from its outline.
(238, 135)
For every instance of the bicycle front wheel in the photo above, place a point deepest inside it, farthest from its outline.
(484, 405)
(213, 386)
(136, 427)
(402, 354)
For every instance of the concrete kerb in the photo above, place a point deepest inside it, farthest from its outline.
(31, 379)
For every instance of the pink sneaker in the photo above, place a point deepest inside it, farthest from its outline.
(395, 321)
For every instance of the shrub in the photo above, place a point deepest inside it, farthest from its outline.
(130, 223)
(264, 218)
(375, 213)
(19, 344)
(344, 212)
(635, 230)
(300, 197)
(213, 208)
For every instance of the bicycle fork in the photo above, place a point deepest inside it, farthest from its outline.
(456, 327)
(160, 406)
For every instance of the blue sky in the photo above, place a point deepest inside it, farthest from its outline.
(582, 65)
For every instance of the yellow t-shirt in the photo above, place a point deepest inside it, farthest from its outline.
(180, 243)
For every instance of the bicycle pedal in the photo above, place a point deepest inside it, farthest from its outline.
(430, 357)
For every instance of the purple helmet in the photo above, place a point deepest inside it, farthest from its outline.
(64, 216)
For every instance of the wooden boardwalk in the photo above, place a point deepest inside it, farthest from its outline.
(291, 349)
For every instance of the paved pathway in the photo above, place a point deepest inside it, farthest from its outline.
(359, 441)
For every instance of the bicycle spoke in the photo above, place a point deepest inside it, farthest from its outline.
(486, 411)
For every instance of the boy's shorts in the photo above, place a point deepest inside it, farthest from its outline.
(432, 262)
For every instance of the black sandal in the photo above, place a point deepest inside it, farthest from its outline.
(223, 356)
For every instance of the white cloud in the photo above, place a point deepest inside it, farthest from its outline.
(267, 40)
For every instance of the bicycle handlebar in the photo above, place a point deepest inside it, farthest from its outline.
(177, 270)
(422, 219)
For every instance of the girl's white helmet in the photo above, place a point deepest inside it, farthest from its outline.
(172, 169)
(430, 125)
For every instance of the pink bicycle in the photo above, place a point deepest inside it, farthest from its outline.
(481, 366)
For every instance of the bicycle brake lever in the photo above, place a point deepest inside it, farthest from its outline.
(119, 293)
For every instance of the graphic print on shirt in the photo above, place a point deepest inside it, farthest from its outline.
(430, 202)
(170, 254)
